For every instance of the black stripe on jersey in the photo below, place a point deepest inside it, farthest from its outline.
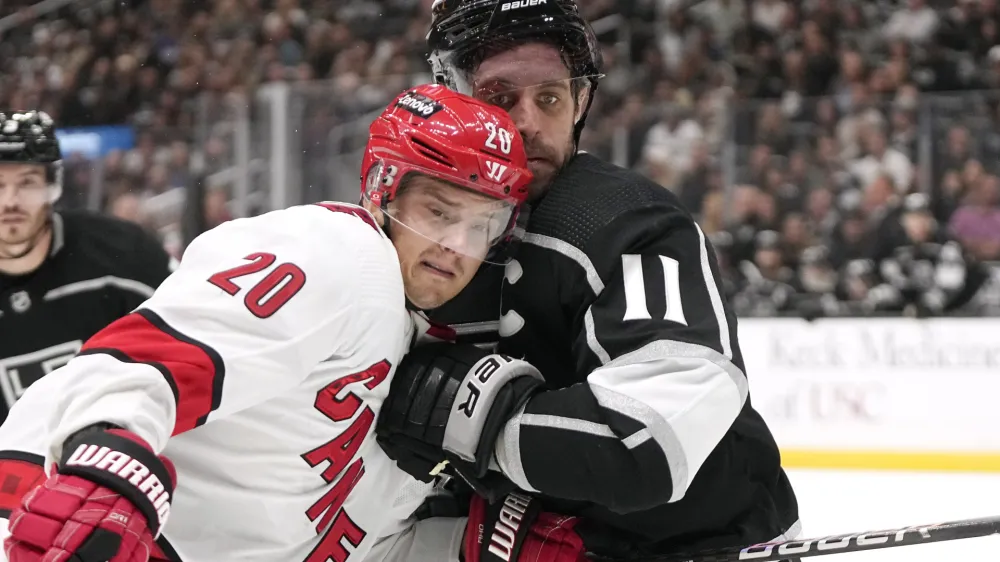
(19, 472)
(219, 367)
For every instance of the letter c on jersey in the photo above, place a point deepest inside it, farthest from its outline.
(512, 322)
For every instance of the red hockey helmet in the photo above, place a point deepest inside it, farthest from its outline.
(436, 132)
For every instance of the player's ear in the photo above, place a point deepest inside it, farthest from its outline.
(375, 210)
(581, 102)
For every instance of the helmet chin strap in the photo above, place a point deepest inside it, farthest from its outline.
(32, 242)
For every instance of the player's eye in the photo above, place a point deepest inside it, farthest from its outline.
(505, 101)
(437, 212)
(548, 99)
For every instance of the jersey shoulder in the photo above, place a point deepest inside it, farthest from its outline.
(104, 245)
(102, 234)
(340, 243)
(591, 194)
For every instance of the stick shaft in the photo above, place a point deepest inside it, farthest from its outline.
(839, 544)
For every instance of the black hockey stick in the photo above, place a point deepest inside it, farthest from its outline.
(839, 544)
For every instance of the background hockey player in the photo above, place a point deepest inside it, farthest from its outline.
(65, 275)
(259, 366)
(646, 430)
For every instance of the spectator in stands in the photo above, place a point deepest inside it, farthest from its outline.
(767, 289)
(881, 159)
(916, 22)
(800, 155)
(672, 140)
(127, 206)
(976, 224)
(816, 282)
(796, 238)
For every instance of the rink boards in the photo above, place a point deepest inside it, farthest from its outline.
(836, 502)
(884, 423)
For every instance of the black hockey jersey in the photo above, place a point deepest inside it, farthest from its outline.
(98, 269)
(647, 431)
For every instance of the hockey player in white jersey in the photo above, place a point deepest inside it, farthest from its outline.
(239, 400)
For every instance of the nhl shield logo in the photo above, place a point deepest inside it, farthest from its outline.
(20, 301)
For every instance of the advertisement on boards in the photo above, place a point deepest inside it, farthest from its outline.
(919, 389)
(95, 142)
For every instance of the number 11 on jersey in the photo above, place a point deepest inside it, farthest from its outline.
(636, 289)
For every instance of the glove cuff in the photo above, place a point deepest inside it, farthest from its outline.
(474, 401)
(122, 462)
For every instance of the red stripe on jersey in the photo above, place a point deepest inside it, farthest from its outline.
(352, 210)
(20, 472)
(193, 370)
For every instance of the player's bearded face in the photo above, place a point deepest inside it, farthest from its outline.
(534, 85)
(442, 233)
(23, 206)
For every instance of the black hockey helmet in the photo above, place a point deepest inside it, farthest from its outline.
(464, 33)
(29, 137)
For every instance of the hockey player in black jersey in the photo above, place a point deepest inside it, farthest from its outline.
(645, 427)
(63, 275)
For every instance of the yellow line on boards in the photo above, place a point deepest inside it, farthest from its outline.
(899, 460)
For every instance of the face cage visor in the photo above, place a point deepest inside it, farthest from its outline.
(459, 218)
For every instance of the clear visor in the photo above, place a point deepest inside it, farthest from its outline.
(520, 45)
(513, 74)
(29, 190)
(549, 96)
(455, 218)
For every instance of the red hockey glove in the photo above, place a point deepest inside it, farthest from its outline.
(106, 502)
(515, 530)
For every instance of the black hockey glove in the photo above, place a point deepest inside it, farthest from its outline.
(449, 402)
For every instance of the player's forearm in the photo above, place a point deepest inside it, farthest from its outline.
(632, 438)
(577, 459)
(96, 389)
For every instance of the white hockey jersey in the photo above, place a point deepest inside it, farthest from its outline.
(258, 368)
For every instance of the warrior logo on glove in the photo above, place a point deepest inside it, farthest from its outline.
(128, 468)
(517, 530)
(107, 500)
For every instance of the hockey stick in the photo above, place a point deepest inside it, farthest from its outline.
(839, 544)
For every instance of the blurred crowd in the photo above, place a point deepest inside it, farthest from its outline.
(843, 155)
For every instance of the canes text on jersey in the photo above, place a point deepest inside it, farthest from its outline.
(338, 452)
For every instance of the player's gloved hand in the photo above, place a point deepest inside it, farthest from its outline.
(449, 402)
(516, 530)
(106, 501)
